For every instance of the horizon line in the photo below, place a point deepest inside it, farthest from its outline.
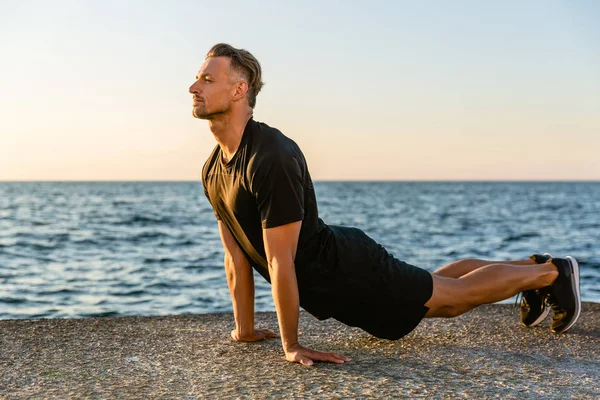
(314, 180)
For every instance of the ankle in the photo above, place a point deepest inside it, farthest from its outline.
(550, 274)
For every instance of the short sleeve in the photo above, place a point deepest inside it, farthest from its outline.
(278, 187)
(208, 198)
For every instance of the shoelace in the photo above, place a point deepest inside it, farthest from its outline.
(545, 299)
(517, 302)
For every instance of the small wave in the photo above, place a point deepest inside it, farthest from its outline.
(49, 236)
(29, 256)
(142, 220)
(588, 226)
(444, 215)
(136, 301)
(36, 245)
(131, 283)
(209, 255)
(59, 291)
(213, 278)
(122, 202)
(149, 235)
(550, 207)
(588, 264)
(12, 300)
(40, 223)
(39, 245)
(30, 317)
(186, 243)
(203, 267)
(158, 260)
(452, 253)
(129, 293)
(514, 238)
(101, 314)
(26, 235)
(162, 285)
(84, 242)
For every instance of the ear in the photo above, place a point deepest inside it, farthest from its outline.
(240, 90)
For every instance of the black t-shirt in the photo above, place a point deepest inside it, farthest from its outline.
(264, 185)
(341, 272)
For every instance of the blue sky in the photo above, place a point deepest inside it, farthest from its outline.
(431, 90)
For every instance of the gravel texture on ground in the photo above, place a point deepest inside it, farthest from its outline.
(485, 353)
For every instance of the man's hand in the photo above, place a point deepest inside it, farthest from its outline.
(306, 356)
(259, 334)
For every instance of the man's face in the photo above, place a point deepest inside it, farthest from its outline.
(213, 88)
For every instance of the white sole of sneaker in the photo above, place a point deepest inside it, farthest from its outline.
(541, 317)
(575, 283)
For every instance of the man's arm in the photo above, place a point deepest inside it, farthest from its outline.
(281, 243)
(241, 285)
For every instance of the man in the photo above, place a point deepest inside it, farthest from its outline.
(258, 184)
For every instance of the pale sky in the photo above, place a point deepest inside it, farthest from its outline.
(370, 90)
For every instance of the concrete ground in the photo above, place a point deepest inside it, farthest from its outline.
(485, 353)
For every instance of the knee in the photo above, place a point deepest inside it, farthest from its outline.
(449, 298)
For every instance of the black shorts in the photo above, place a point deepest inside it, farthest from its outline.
(357, 282)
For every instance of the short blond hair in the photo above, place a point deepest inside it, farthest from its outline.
(243, 63)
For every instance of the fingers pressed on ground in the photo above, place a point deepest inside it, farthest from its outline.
(306, 361)
(340, 357)
(328, 357)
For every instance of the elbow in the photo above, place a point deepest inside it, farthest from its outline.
(237, 271)
(276, 264)
(230, 275)
(229, 269)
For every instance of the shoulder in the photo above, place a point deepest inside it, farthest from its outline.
(274, 156)
(272, 146)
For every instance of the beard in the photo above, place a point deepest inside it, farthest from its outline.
(201, 112)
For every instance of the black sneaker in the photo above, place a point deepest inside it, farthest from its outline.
(564, 297)
(533, 303)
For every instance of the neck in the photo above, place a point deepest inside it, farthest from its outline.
(228, 132)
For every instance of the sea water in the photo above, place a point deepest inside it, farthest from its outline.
(76, 249)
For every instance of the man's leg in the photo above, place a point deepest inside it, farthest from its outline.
(462, 267)
(486, 284)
